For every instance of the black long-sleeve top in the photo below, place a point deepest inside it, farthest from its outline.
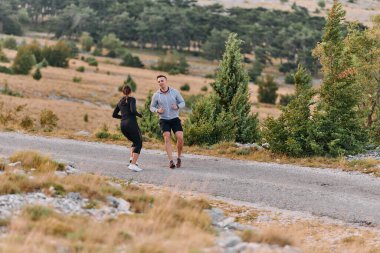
(127, 107)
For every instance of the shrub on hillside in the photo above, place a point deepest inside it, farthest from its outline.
(37, 74)
(149, 123)
(185, 87)
(285, 99)
(81, 69)
(130, 82)
(92, 61)
(48, 120)
(5, 70)
(23, 62)
(173, 63)
(58, 55)
(131, 61)
(10, 43)
(3, 57)
(267, 90)
(289, 78)
(86, 41)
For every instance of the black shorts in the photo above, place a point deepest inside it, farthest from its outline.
(168, 125)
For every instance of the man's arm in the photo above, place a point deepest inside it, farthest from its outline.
(180, 101)
(154, 103)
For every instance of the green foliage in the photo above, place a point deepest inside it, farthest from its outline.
(103, 133)
(44, 63)
(185, 87)
(111, 42)
(226, 114)
(74, 50)
(7, 91)
(204, 88)
(5, 70)
(81, 69)
(290, 133)
(86, 41)
(287, 67)
(289, 78)
(207, 125)
(92, 61)
(24, 61)
(214, 46)
(130, 82)
(322, 4)
(149, 123)
(267, 90)
(255, 71)
(337, 126)
(37, 74)
(10, 43)
(77, 79)
(3, 57)
(173, 63)
(57, 55)
(131, 61)
(285, 99)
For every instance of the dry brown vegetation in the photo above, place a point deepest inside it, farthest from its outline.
(163, 223)
(310, 234)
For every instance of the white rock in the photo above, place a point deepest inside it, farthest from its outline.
(14, 164)
(228, 240)
(82, 133)
(225, 222)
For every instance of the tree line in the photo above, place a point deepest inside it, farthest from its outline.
(175, 24)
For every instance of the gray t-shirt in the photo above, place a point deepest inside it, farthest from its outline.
(165, 100)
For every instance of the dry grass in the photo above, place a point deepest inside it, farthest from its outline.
(164, 222)
(33, 159)
(270, 236)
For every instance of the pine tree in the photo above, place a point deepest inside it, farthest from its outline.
(37, 74)
(231, 88)
(289, 134)
(337, 127)
(149, 123)
(267, 92)
(131, 83)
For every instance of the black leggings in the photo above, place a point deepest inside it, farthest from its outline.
(131, 130)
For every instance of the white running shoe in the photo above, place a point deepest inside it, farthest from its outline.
(134, 167)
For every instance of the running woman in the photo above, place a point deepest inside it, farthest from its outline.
(167, 102)
(129, 126)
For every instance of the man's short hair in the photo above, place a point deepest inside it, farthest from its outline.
(159, 76)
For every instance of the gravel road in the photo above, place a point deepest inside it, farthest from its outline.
(351, 197)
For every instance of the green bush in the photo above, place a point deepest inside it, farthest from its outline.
(10, 43)
(185, 87)
(77, 79)
(81, 69)
(7, 91)
(92, 61)
(285, 99)
(267, 90)
(204, 88)
(131, 61)
(130, 82)
(37, 74)
(58, 55)
(287, 67)
(44, 63)
(6, 70)
(86, 41)
(26, 122)
(290, 133)
(23, 62)
(173, 63)
(289, 78)
(149, 123)
(191, 100)
(255, 71)
(111, 42)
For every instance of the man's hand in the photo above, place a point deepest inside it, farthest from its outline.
(175, 107)
(160, 110)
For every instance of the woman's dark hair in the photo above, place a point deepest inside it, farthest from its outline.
(127, 90)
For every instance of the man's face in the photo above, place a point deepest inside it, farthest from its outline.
(162, 82)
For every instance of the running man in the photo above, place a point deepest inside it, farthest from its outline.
(167, 102)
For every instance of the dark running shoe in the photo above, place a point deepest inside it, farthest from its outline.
(178, 165)
(171, 165)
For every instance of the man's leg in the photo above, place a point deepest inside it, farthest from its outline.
(168, 145)
(179, 135)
